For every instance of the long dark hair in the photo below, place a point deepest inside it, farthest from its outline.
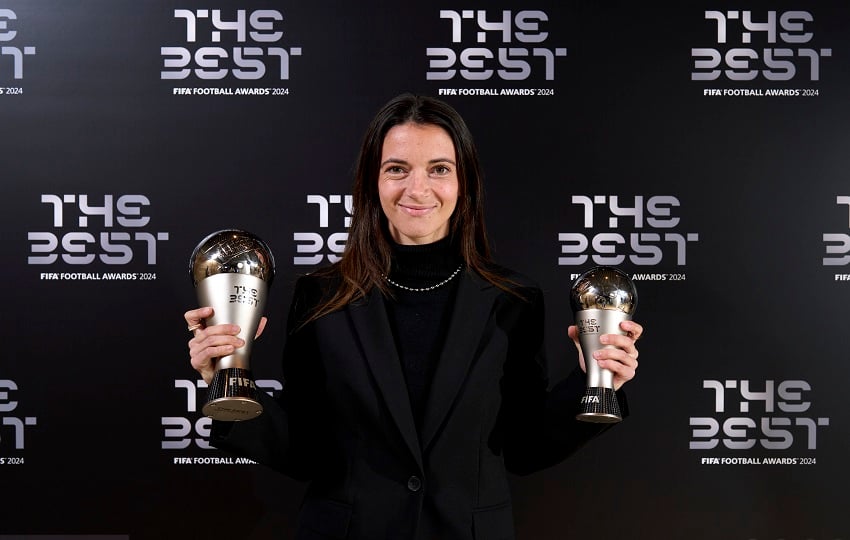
(368, 254)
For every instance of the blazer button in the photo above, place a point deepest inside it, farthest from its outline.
(414, 483)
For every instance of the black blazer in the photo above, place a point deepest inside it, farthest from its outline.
(344, 420)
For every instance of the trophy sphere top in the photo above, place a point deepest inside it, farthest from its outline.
(231, 251)
(604, 287)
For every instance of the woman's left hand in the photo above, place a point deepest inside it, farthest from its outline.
(621, 358)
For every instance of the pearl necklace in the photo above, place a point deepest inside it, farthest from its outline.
(424, 289)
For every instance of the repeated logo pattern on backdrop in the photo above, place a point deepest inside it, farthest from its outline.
(700, 148)
(109, 232)
(12, 49)
(229, 45)
(657, 215)
(494, 45)
(759, 45)
(838, 244)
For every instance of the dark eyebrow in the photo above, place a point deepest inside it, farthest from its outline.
(443, 160)
(393, 160)
(430, 162)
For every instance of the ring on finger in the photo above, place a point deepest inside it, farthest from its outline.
(194, 327)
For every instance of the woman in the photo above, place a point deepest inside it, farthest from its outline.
(414, 369)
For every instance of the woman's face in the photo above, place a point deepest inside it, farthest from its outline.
(417, 182)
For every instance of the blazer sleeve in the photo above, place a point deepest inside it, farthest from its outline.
(538, 425)
(285, 436)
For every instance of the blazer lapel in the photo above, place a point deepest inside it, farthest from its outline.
(474, 302)
(372, 323)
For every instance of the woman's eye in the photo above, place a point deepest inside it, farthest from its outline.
(441, 169)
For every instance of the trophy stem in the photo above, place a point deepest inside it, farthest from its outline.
(599, 405)
(232, 396)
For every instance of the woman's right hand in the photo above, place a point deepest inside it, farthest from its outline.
(212, 342)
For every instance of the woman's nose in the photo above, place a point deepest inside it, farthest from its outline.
(418, 182)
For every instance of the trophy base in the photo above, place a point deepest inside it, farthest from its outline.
(599, 405)
(232, 396)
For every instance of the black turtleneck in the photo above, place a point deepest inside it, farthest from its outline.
(420, 319)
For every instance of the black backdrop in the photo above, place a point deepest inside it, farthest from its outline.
(709, 164)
